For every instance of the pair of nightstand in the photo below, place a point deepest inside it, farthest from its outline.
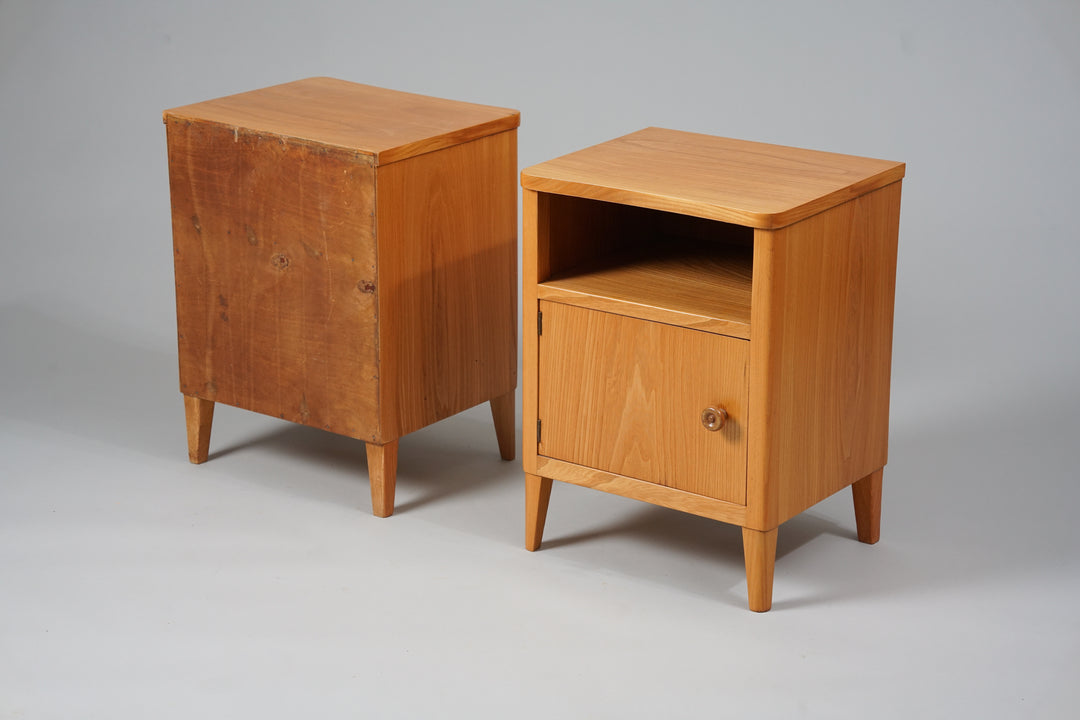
(707, 322)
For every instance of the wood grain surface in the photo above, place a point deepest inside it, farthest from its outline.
(387, 125)
(382, 471)
(753, 184)
(626, 396)
(705, 286)
(535, 264)
(505, 419)
(447, 254)
(759, 553)
(567, 237)
(199, 415)
(820, 355)
(274, 253)
(649, 492)
(866, 496)
(537, 496)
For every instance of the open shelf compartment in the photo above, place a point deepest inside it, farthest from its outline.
(654, 265)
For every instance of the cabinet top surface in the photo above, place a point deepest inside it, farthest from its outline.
(737, 181)
(389, 125)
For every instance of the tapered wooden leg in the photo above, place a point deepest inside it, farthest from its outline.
(759, 550)
(537, 494)
(867, 496)
(382, 469)
(200, 416)
(502, 412)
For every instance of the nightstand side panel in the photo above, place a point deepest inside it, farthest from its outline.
(821, 352)
(447, 252)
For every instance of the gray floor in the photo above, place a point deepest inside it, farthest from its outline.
(259, 584)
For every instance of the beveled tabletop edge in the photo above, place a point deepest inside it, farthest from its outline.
(556, 176)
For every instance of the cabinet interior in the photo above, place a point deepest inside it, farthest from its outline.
(656, 265)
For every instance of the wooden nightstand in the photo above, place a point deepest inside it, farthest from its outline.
(346, 258)
(708, 327)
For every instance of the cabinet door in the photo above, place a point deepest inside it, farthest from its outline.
(626, 396)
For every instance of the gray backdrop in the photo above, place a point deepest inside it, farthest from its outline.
(970, 598)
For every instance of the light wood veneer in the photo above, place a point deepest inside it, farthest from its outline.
(669, 272)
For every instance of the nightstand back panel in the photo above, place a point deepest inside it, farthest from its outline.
(275, 275)
(626, 396)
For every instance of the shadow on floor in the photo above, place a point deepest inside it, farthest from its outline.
(964, 501)
(59, 375)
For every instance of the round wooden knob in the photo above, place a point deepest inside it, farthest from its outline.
(713, 418)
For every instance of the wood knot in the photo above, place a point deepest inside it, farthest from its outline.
(366, 286)
(280, 261)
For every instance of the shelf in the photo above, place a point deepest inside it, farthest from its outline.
(697, 285)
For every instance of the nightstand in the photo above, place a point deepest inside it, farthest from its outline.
(708, 327)
(346, 258)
